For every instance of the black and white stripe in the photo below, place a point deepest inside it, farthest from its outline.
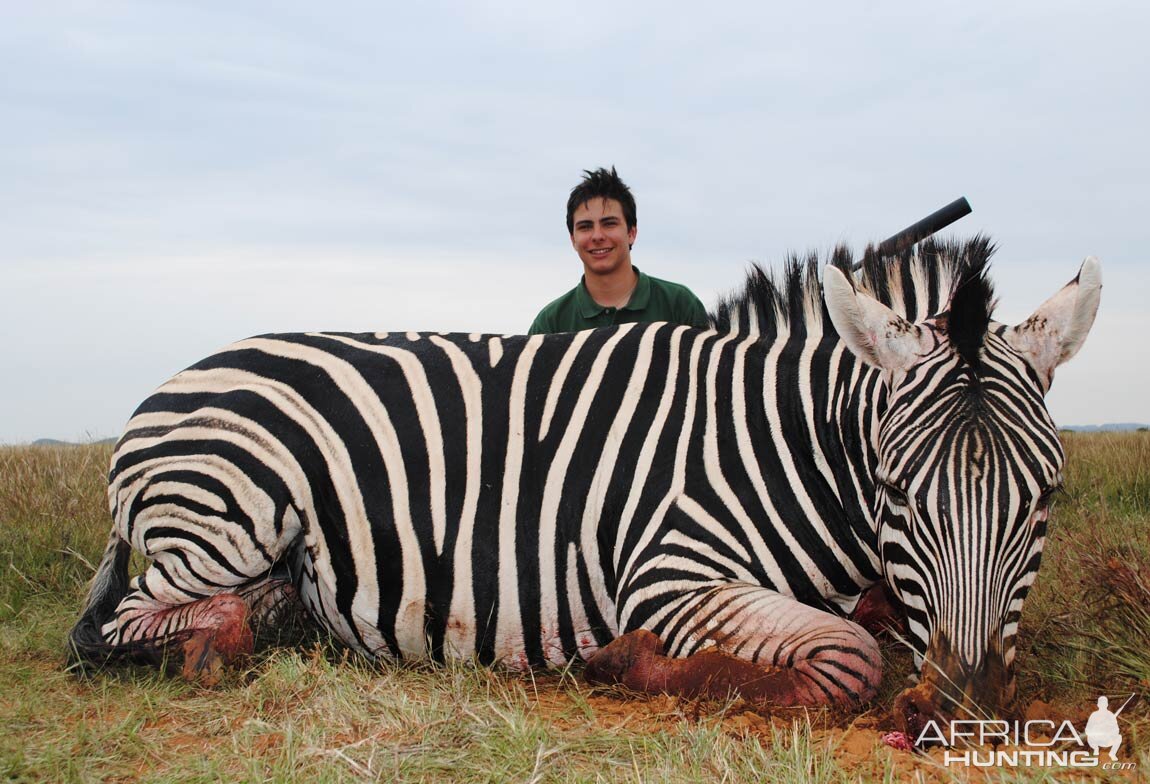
(525, 500)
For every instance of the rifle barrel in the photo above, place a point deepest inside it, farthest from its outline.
(917, 232)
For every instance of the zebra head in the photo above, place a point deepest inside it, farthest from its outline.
(967, 460)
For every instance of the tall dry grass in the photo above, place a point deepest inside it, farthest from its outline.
(1075, 622)
(53, 521)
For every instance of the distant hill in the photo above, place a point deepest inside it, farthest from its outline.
(1107, 428)
(57, 442)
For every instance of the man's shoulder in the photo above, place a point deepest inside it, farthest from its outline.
(671, 287)
(677, 302)
(551, 313)
(675, 293)
(564, 299)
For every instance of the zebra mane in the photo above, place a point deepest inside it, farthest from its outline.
(969, 315)
(917, 284)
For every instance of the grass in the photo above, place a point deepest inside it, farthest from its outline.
(1075, 623)
(312, 713)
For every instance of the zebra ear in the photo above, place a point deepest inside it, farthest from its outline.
(873, 332)
(1055, 332)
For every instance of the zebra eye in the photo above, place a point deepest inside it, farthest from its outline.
(895, 496)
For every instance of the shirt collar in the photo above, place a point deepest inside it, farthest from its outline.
(640, 297)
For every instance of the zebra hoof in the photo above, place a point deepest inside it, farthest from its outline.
(202, 662)
(226, 639)
(627, 661)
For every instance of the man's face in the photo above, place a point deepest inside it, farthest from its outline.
(601, 237)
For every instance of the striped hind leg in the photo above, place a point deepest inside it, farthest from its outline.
(274, 609)
(212, 546)
(739, 639)
(205, 635)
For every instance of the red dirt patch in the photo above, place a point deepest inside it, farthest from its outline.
(855, 741)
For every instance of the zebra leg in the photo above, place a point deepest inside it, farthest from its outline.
(637, 661)
(207, 634)
(217, 542)
(274, 609)
(879, 612)
(740, 639)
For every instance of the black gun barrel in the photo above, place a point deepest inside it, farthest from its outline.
(917, 232)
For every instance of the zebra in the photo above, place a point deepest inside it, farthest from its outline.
(686, 510)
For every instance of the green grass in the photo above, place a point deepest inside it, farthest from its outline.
(313, 713)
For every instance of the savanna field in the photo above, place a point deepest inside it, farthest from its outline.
(306, 711)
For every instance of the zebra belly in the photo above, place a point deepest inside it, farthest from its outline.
(419, 633)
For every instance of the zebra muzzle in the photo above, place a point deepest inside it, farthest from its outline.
(952, 689)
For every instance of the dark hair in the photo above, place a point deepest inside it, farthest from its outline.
(969, 316)
(605, 185)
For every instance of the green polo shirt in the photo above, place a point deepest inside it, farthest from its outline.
(652, 300)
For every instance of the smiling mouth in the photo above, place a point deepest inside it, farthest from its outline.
(599, 252)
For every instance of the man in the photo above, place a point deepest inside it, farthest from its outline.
(602, 223)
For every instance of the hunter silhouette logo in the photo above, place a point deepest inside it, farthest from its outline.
(1102, 728)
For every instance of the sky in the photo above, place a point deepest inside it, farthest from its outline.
(176, 176)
